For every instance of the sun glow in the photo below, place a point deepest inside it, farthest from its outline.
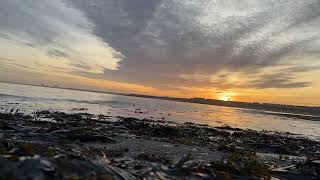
(225, 96)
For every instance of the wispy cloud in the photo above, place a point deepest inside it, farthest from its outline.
(54, 30)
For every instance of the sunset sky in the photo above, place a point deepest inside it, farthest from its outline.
(248, 50)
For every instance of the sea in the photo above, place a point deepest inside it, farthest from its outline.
(29, 99)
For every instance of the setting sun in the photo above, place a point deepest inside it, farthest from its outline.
(224, 98)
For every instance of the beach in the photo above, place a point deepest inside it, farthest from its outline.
(52, 145)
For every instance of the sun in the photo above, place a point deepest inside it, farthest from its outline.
(225, 98)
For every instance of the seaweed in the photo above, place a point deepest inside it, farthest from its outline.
(58, 145)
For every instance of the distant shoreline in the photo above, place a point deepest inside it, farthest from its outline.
(283, 108)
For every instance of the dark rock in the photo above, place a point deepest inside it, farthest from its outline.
(8, 169)
(90, 138)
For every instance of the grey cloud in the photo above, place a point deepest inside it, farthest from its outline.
(57, 53)
(38, 24)
(162, 39)
(5, 59)
(31, 21)
(283, 78)
(57, 30)
(12, 63)
(118, 21)
(280, 80)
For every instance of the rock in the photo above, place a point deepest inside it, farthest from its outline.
(283, 169)
(90, 138)
(8, 169)
(47, 166)
(31, 169)
(316, 162)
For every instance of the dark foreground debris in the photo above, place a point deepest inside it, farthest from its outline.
(55, 145)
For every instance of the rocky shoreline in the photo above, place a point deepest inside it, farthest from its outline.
(56, 145)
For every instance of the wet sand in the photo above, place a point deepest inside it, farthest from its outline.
(56, 145)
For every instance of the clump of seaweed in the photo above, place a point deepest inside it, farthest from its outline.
(155, 157)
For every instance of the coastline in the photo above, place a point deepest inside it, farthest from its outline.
(300, 110)
(129, 148)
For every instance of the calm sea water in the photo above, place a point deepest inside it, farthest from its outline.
(30, 98)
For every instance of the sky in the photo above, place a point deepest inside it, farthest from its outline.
(249, 50)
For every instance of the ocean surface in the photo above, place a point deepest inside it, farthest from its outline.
(29, 99)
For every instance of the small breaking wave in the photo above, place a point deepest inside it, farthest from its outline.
(100, 102)
(7, 96)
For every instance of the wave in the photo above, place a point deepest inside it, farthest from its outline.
(100, 102)
(292, 115)
(14, 96)
(94, 101)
